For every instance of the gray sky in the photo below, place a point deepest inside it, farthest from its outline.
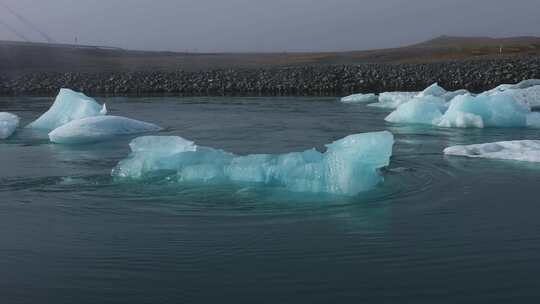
(267, 25)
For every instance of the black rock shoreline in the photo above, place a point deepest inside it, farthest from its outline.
(323, 80)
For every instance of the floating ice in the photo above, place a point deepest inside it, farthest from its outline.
(349, 165)
(433, 90)
(392, 100)
(8, 123)
(360, 98)
(529, 96)
(521, 150)
(420, 110)
(68, 105)
(92, 129)
(525, 84)
(467, 111)
(498, 110)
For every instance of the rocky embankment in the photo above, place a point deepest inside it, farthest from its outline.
(473, 75)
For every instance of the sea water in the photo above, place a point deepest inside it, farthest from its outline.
(440, 229)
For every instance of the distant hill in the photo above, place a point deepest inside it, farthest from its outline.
(24, 57)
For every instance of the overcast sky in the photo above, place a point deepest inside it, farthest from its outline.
(266, 25)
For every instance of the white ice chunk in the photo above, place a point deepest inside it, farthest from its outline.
(392, 100)
(521, 150)
(68, 105)
(433, 90)
(97, 128)
(522, 85)
(421, 110)
(360, 98)
(349, 165)
(8, 123)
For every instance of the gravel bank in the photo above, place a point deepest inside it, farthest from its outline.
(474, 75)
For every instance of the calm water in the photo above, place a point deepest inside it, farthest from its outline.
(439, 230)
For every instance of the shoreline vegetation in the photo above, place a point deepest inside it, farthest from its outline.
(476, 64)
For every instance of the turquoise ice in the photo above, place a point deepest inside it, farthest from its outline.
(420, 110)
(349, 165)
(467, 111)
(97, 128)
(68, 105)
(8, 124)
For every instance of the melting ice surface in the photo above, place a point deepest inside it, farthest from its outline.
(92, 129)
(360, 98)
(521, 150)
(8, 123)
(349, 165)
(68, 105)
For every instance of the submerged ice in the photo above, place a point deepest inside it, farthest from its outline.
(92, 129)
(349, 165)
(8, 124)
(520, 150)
(68, 106)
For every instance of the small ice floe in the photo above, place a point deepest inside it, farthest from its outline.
(8, 124)
(349, 165)
(520, 150)
(68, 106)
(360, 98)
(98, 128)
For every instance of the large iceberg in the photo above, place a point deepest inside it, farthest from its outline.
(68, 105)
(349, 165)
(8, 123)
(360, 98)
(521, 150)
(97, 128)
(466, 111)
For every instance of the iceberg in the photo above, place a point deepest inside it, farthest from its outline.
(8, 123)
(467, 111)
(349, 165)
(433, 90)
(520, 150)
(529, 96)
(419, 110)
(68, 105)
(97, 128)
(525, 84)
(360, 98)
(498, 110)
(392, 100)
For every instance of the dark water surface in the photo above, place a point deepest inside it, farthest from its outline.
(439, 230)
